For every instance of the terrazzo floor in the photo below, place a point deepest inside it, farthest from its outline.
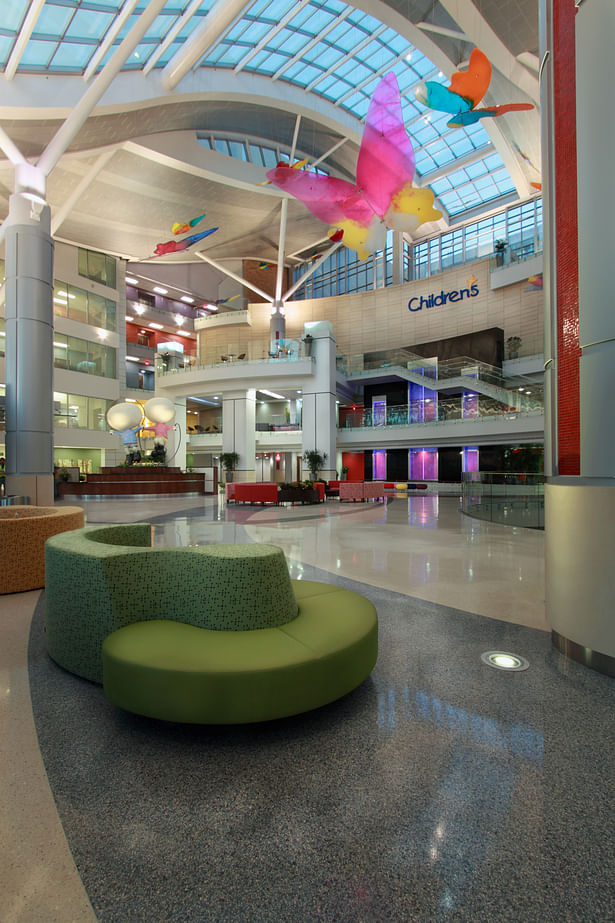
(440, 790)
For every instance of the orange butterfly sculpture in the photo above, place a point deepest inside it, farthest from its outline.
(464, 94)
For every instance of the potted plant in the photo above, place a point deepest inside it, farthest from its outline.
(229, 461)
(500, 248)
(308, 339)
(315, 460)
(513, 344)
(345, 470)
(297, 492)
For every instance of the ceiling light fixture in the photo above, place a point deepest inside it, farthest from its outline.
(132, 281)
(132, 358)
(280, 397)
(187, 299)
(503, 660)
(139, 309)
(160, 290)
(179, 319)
(156, 326)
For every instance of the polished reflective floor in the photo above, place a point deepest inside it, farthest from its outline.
(441, 789)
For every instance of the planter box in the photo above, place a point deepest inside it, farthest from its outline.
(297, 495)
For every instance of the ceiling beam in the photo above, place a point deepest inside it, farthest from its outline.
(233, 275)
(62, 213)
(317, 38)
(442, 30)
(214, 25)
(10, 148)
(69, 130)
(458, 163)
(34, 11)
(267, 38)
(346, 57)
(306, 275)
(111, 34)
(171, 35)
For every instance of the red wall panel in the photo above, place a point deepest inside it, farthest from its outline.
(567, 278)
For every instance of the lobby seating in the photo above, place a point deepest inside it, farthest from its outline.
(239, 641)
(23, 533)
(361, 490)
(100, 579)
(252, 492)
(177, 672)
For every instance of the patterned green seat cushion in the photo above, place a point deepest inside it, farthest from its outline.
(177, 672)
(94, 587)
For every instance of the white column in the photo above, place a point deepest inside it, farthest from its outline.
(318, 427)
(595, 25)
(29, 341)
(398, 258)
(239, 431)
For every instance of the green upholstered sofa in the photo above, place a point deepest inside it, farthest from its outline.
(208, 634)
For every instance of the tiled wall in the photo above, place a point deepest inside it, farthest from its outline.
(381, 320)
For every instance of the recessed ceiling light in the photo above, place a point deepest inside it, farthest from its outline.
(187, 299)
(160, 290)
(280, 397)
(156, 326)
(133, 358)
(503, 660)
(179, 319)
(139, 309)
(132, 281)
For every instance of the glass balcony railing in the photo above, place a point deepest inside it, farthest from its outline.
(433, 411)
(511, 255)
(230, 353)
(510, 498)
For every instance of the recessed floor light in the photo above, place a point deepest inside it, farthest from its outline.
(503, 660)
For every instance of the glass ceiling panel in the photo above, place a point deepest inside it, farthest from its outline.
(13, 13)
(338, 51)
(6, 45)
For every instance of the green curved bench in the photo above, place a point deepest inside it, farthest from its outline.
(101, 579)
(239, 642)
(177, 672)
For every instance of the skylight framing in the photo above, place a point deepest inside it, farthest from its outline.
(325, 36)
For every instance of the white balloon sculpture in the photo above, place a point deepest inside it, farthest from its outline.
(124, 416)
(159, 410)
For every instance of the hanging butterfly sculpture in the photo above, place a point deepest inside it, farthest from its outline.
(176, 246)
(182, 227)
(383, 195)
(465, 92)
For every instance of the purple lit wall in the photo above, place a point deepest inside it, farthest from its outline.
(469, 405)
(423, 464)
(379, 412)
(469, 461)
(422, 402)
(379, 468)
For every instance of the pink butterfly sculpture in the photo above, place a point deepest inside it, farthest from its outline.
(383, 195)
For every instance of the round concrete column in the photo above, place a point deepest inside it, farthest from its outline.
(29, 349)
